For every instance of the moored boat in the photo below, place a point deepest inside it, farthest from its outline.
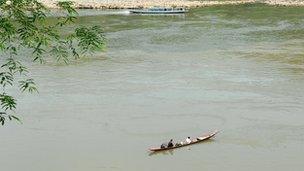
(183, 144)
(159, 10)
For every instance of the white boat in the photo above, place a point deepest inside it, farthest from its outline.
(159, 10)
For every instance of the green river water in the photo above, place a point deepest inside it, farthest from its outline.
(238, 69)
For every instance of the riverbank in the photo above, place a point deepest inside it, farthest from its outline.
(125, 4)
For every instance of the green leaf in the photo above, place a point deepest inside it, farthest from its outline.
(7, 102)
(28, 85)
(6, 78)
(90, 38)
(16, 118)
(67, 5)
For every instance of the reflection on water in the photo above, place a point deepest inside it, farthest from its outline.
(238, 69)
(168, 152)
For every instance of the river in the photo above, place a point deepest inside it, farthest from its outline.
(238, 69)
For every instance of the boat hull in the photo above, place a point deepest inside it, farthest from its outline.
(157, 12)
(204, 138)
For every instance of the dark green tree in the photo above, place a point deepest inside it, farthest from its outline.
(24, 28)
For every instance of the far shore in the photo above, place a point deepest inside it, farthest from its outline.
(131, 4)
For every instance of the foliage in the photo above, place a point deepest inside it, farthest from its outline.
(23, 27)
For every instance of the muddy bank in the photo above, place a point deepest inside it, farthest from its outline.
(285, 2)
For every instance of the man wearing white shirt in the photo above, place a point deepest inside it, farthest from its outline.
(188, 140)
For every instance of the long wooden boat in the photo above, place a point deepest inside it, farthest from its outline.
(159, 10)
(193, 141)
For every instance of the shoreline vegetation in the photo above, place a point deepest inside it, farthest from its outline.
(131, 4)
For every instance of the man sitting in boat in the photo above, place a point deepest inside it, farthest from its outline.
(164, 145)
(167, 145)
(170, 143)
(188, 140)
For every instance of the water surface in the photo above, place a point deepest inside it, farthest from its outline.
(238, 69)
